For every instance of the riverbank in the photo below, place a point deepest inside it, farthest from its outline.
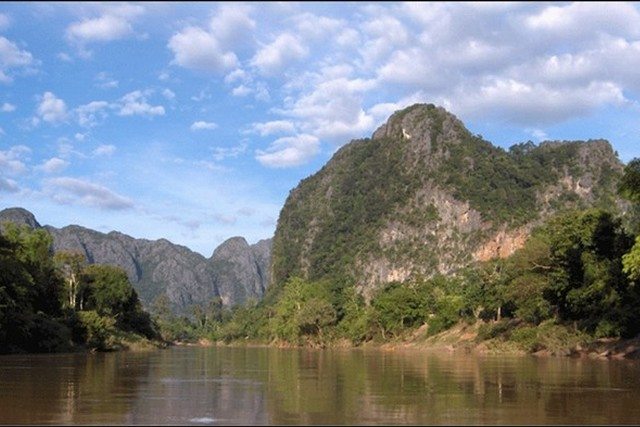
(497, 338)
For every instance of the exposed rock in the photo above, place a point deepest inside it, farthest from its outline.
(18, 216)
(236, 272)
(425, 196)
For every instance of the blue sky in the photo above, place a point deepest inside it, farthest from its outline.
(193, 121)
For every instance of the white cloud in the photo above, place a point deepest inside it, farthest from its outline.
(197, 49)
(334, 109)
(7, 108)
(233, 25)
(273, 127)
(221, 153)
(105, 81)
(66, 190)
(168, 93)
(104, 150)
(314, 27)
(241, 90)
(53, 165)
(11, 56)
(289, 151)
(12, 160)
(272, 58)
(237, 75)
(580, 20)
(8, 185)
(113, 24)
(201, 125)
(52, 109)
(135, 103)
(92, 113)
(531, 104)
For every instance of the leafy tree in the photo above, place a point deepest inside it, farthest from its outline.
(629, 186)
(71, 265)
(397, 307)
(587, 283)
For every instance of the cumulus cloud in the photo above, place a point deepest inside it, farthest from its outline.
(197, 49)
(275, 56)
(53, 165)
(8, 185)
(202, 125)
(531, 104)
(529, 64)
(578, 20)
(211, 49)
(273, 127)
(289, 151)
(114, 23)
(334, 109)
(12, 161)
(135, 103)
(92, 113)
(168, 93)
(66, 190)
(241, 90)
(12, 57)
(52, 109)
(233, 25)
(7, 108)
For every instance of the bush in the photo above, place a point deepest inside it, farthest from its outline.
(100, 329)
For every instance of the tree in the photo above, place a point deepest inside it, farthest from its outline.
(629, 186)
(71, 265)
(631, 261)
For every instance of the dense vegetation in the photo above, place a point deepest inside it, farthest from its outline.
(576, 279)
(331, 223)
(58, 303)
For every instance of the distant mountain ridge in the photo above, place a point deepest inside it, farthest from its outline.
(236, 272)
(424, 196)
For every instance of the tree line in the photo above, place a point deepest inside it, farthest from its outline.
(576, 278)
(52, 303)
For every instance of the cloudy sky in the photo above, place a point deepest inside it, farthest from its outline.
(193, 121)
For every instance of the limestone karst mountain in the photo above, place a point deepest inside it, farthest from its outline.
(424, 195)
(235, 272)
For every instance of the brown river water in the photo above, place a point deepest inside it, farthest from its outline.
(222, 385)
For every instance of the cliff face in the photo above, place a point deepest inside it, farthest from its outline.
(425, 196)
(236, 272)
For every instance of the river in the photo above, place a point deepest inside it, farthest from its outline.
(222, 385)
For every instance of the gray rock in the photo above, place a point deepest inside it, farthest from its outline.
(237, 272)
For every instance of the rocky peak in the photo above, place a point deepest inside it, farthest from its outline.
(18, 216)
(423, 124)
(231, 246)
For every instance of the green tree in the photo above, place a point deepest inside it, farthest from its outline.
(71, 264)
(629, 186)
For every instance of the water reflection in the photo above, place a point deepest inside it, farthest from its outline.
(287, 386)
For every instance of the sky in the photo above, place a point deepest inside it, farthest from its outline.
(193, 121)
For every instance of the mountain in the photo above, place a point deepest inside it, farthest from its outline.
(236, 272)
(424, 196)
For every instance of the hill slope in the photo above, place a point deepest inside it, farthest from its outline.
(424, 195)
